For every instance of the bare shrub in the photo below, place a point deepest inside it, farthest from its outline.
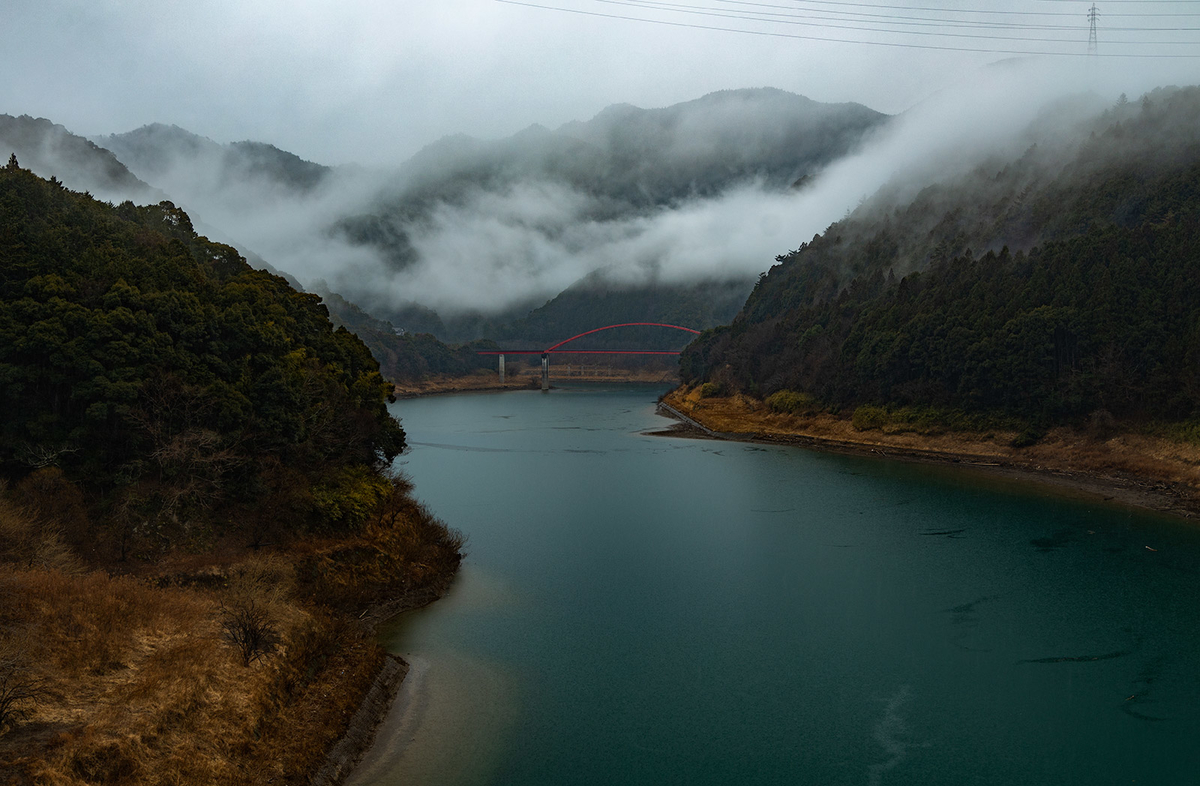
(31, 542)
(867, 418)
(20, 688)
(403, 551)
(248, 627)
(792, 402)
(57, 503)
(268, 577)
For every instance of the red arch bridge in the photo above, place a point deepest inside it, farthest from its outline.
(545, 353)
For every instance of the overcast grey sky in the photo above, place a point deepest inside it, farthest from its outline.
(374, 80)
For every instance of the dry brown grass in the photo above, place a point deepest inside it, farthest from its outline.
(31, 540)
(137, 674)
(142, 688)
(402, 554)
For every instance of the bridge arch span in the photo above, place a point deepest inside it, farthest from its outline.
(610, 327)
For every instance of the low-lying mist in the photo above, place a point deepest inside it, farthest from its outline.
(492, 248)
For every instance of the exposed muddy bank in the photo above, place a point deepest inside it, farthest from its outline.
(1122, 472)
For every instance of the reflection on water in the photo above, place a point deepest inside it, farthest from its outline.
(650, 610)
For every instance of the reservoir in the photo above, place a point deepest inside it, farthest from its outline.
(639, 609)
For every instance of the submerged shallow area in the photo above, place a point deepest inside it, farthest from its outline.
(644, 610)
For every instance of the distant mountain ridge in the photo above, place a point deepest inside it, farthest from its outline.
(727, 136)
(644, 157)
(154, 150)
(624, 164)
(50, 150)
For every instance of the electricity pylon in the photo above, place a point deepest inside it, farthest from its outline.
(1093, 15)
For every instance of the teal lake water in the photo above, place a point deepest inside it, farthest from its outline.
(650, 610)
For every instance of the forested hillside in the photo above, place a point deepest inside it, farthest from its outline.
(160, 370)
(1052, 287)
(197, 507)
(595, 302)
(404, 356)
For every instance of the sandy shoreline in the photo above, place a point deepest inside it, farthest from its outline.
(396, 724)
(387, 705)
(1162, 492)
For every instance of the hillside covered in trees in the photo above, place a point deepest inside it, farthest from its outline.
(1053, 287)
(136, 354)
(405, 356)
(197, 506)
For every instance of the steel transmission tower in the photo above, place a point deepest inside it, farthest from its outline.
(1093, 15)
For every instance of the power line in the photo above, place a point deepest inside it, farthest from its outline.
(934, 21)
(943, 9)
(915, 20)
(829, 39)
(692, 10)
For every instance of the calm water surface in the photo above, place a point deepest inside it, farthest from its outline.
(650, 610)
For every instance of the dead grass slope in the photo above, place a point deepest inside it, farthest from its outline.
(136, 682)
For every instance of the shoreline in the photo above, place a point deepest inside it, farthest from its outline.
(481, 383)
(394, 678)
(399, 718)
(1160, 492)
(345, 754)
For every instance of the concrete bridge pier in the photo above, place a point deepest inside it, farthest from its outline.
(501, 368)
(545, 371)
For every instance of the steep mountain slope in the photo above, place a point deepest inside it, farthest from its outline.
(626, 160)
(159, 152)
(1050, 287)
(577, 193)
(51, 150)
